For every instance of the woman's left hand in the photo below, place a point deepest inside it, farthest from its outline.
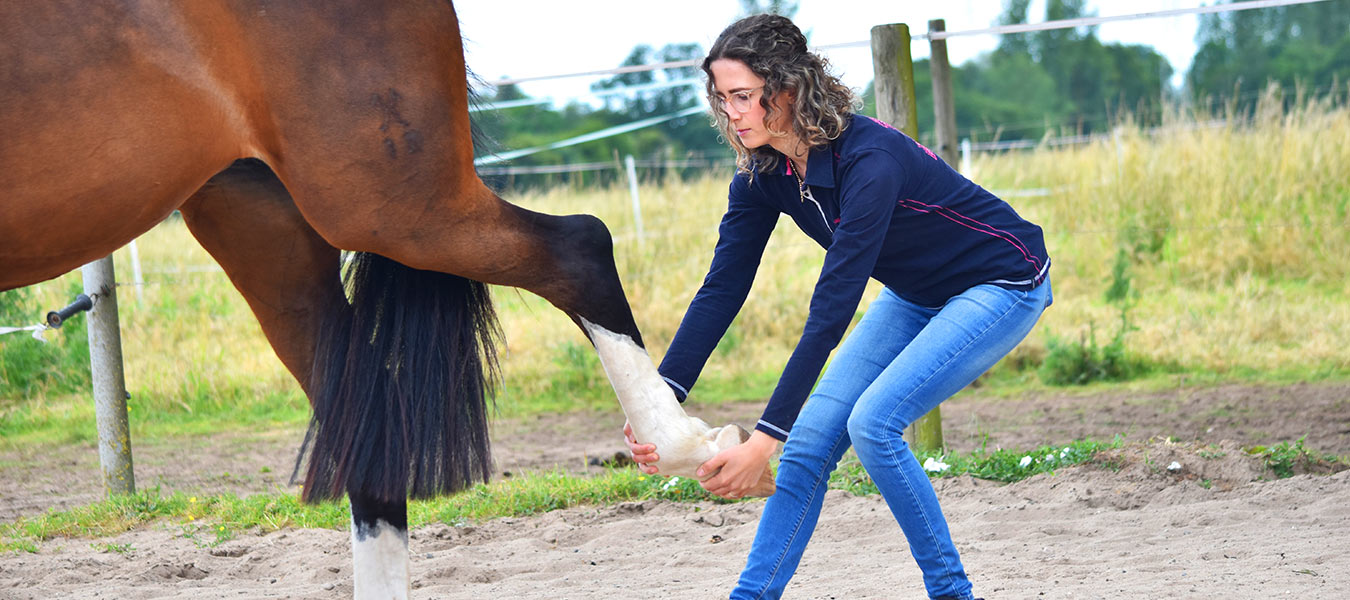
(740, 466)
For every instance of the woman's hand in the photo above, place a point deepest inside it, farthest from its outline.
(643, 454)
(736, 470)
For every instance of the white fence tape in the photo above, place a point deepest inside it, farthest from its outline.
(36, 329)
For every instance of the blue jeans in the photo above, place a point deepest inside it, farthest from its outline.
(899, 362)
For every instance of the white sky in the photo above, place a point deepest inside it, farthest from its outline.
(523, 38)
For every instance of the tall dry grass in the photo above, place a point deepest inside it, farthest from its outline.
(1237, 227)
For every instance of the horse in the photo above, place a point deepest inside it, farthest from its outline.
(288, 133)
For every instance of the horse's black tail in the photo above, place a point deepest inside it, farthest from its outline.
(401, 380)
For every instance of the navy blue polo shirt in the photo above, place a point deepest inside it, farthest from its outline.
(882, 206)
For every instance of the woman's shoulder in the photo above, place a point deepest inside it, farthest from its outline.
(870, 132)
(871, 136)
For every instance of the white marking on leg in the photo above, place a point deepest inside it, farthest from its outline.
(684, 442)
(379, 562)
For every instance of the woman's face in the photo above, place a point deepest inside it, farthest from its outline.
(740, 90)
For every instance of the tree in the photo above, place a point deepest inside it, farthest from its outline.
(1239, 52)
(678, 137)
(772, 7)
(1059, 78)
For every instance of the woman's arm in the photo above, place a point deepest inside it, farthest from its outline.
(744, 231)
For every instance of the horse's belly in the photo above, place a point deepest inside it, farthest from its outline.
(67, 198)
(109, 123)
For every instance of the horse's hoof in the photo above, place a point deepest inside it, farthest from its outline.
(765, 487)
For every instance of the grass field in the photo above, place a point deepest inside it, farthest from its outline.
(1199, 251)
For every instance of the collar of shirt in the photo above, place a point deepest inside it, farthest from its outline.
(819, 167)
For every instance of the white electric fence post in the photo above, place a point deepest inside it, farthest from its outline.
(110, 391)
(633, 191)
(136, 277)
(965, 157)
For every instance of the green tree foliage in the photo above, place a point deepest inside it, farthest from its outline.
(624, 98)
(1057, 81)
(679, 137)
(773, 7)
(685, 137)
(1240, 52)
(1033, 84)
(1061, 77)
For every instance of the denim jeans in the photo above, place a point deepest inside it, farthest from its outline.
(899, 362)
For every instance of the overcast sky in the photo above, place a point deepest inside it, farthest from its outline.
(523, 38)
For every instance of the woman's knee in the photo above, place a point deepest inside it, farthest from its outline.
(870, 432)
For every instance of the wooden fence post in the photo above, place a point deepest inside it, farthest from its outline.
(944, 105)
(110, 390)
(893, 81)
(893, 71)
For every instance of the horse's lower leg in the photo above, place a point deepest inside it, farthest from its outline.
(289, 275)
(379, 549)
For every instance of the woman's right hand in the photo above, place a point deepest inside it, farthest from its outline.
(643, 454)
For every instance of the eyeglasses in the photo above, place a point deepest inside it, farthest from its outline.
(740, 100)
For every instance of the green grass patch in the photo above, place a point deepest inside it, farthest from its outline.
(210, 520)
(27, 365)
(1004, 465)
(67, 419)
(1288, 459)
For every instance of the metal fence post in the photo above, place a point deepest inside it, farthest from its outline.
(893, 70)
(110, 391)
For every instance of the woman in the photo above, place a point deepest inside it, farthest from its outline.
(965, 280)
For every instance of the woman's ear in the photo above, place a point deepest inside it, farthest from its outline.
(785, 99)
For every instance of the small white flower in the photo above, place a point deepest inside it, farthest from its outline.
(670, 483)
(1065, 452)
(1025, 462)
(1050, 457)
(1175, 466)
(935, 466)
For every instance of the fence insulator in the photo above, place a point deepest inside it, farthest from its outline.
(56, 317)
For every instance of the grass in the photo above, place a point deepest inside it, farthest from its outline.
(1285, 458)
(211, 520)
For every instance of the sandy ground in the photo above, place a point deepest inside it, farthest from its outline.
(1123, 526)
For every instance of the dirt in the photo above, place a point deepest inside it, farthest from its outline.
(1217, 524)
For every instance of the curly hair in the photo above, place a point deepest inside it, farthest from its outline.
(775, 50)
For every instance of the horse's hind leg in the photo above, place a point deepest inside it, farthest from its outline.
(287, 273)
(379, 548)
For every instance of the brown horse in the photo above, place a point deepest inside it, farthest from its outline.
(286, 132)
